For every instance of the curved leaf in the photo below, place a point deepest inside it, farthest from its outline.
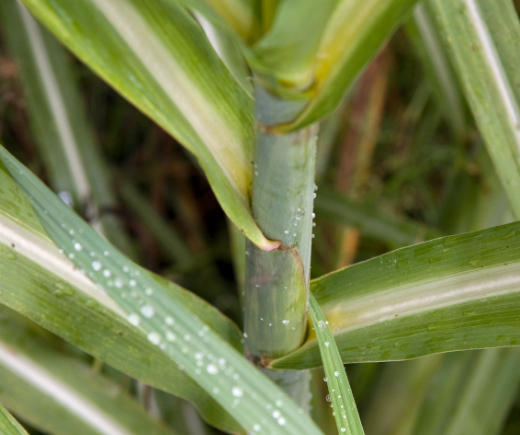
(58, 122)
(319, 61)
(454, 293)
(47, 288)
(484, 41)
(169, 324)
(157, 56)
(59, 394)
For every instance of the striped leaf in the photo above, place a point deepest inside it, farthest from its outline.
(483, 38)
(174, 329)
(46, 287)
(58, 393)
(454, 293)
(157, 56)
(319, 61)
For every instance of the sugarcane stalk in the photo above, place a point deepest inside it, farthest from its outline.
(277, 282)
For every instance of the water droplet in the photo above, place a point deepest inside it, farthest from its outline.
(276, 413)
(314, 195)
(343, 429)
(237, 392)
(154, 338)
(313, 215)
(107, 273)
(148, 292)
(327, 344)
(286, 232)
(212, 369)
(132, 283)
(256, 427)
(281, 421)
(170, 336)
(285, 322)
(327, 398)
(245, 334)
(66, 197)
(106, 253)
(118, 283)
(321, 324)
(278, 403)
(147, 311)
(169, 321)
(134, 319)
(77, 246)
(336, 373)
(96, 265)
(325, 379)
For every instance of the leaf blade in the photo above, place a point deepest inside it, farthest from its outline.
(484, 44)
(454, 293)
(346, 414)
(168, 324)
(158, 58)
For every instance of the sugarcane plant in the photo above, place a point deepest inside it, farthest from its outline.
(249, 88)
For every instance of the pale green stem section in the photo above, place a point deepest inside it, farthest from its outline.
(277, 282)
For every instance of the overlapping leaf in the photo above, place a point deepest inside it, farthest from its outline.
(454, 293)
(46, 287)
(319, 61)
(157, 56)
(58, 393)
(484, 41)
(169, 324)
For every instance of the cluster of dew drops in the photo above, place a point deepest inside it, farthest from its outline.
(203, 360)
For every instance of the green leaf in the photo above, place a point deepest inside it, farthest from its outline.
(58, 122)
(344, 405)
(484, 41)
(471, 393)
(46, 287)
(454, 293)
(157, 56)
(57, 393)
(316, 54)
(371, 220)
(428, 43)
(170, 325)
(9, 425)
(237, 16)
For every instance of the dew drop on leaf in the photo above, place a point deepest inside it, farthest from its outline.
(237, 392)
(147, 311)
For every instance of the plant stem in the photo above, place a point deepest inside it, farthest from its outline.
(277, 282)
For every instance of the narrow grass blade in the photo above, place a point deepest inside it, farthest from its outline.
(8, 425)
(58, 393)
(428, 43)
(454, 293)
(61, 131)
(168, 69)
(371, 220)
(46, 287)
(168, 324)
(484, 41)
(344, 405)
